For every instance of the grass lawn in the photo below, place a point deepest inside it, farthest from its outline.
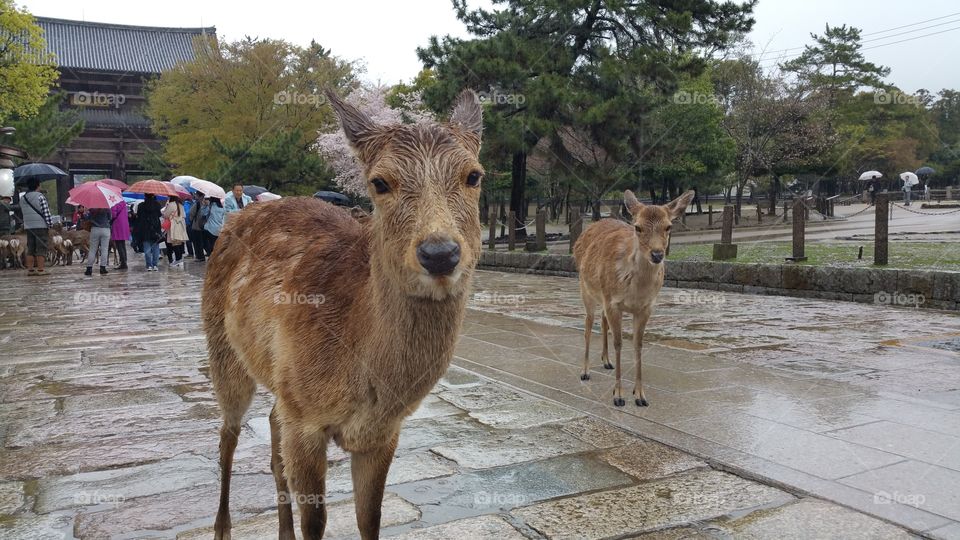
(905, 255)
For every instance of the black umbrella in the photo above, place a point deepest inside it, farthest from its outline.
(253, 191)
(924, 171)
(39, 171)
(333, 197)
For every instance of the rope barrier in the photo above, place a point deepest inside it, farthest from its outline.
(926, 213)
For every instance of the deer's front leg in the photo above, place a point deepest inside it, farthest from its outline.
(369, 470)
(305, 467)
(615, 320)
(639, 327)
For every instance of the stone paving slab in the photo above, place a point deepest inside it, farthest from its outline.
(673, 501)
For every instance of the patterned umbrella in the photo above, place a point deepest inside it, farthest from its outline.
(156, 187)
(95, 195)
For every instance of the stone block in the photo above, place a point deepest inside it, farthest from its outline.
(723, 252)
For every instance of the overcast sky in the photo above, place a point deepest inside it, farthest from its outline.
(385, 34)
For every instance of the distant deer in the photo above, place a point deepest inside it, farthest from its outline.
(621, 270)
(348, 322)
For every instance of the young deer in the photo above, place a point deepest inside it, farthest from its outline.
(348, 322)
(620, 270)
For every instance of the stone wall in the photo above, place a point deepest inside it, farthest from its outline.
(913, 288)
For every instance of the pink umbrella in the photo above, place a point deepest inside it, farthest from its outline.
(115, 183)
(155, 187)
(95, 195)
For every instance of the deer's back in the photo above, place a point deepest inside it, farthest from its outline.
(282, 283)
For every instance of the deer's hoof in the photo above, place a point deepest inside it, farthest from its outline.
(608, 365)
(641, 402)
(585, 377)
(619, 402)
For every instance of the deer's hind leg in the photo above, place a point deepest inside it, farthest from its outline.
(590, 307)
(234, 389)
(605, 329)
(305, 467)
(284, 500)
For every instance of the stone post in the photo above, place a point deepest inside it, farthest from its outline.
(759, 215)
(512, 231)
(576, 229)
(726, 249)
(949, 193)
(493, 228)
(881, 226)
(709, 215)
(799, 230)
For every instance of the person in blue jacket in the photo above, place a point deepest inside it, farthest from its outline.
(237, 200)
(214, 213)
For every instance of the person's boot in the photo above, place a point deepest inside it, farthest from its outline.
(103, 270)
(89, 271)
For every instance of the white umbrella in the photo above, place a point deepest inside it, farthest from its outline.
(183, 180)
(909, 179)
(208, 188)
(267, 196)
(870, 175)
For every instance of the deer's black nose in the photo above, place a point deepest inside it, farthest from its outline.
(656, 257)
(438, 256)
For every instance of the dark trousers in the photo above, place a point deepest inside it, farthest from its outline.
(196, 239)
(121, 247)
(209, 241)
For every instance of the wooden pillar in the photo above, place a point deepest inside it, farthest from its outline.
(511, 231)
(759, 214)
(709, 215)
(726, 249)
(576, 229)
(799, 230)
(726, 235)
(541, 230)
(881, 227)
(493, 228)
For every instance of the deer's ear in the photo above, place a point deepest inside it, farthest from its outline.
(466, 118)
(630, 201)
(678, 206)
(363, 134)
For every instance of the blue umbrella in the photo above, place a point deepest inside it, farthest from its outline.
(338, 199)
(39, 171)
(924, 171)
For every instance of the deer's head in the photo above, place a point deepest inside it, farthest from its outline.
(424, 181)
(653, 223)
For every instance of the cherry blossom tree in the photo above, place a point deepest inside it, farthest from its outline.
(372, 100)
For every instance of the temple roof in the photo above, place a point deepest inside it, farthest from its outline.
(120, 48)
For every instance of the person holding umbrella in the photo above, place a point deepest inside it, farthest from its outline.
(176, 232)
(99, 239)
(120, 232)
(148, 227)
(195, 228)
(100, 198)
(213, 214)
(909, 180)
(36, 222)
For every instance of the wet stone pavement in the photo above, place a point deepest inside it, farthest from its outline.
(788, 414)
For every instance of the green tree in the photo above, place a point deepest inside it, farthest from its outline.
(586, 69)
(27, 70)
(248, 97)
(835, 65)
(40, 134)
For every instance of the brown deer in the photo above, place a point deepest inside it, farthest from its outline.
(621, 270)
(348, 322)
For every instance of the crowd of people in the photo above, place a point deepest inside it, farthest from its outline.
(177, 229)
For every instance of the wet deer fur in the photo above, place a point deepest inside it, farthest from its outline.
(337, 316)
(621, 271)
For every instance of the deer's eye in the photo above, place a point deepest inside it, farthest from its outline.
(473, 179)
(380, 185)
(638, 229)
